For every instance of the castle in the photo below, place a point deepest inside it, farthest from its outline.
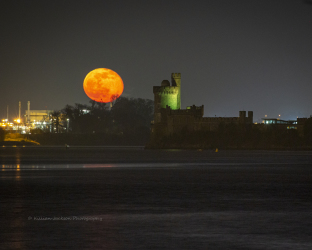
(169, 118)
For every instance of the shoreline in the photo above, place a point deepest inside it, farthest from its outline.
(24, 143)
(134, 155)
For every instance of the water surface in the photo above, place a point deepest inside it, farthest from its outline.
(129, 198)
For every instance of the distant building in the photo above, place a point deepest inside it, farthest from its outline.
(285, 124)
(38, 119)
(170, 118)
(32, 116)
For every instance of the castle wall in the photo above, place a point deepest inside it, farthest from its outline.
(174, 121)
(177, 120)
(169, 118)
(191, 122)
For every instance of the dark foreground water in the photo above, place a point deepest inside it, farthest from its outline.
(129, 198)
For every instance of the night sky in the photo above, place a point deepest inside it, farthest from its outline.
(232, 54)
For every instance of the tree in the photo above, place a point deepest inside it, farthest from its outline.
(127, 117)
(132, 116)
(55, 121)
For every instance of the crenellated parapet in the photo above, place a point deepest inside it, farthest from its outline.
(165, 90)
(197, 111)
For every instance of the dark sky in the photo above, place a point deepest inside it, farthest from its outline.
(233, 54)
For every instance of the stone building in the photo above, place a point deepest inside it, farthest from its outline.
(170, 118)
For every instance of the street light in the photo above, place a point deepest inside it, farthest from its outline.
(17, 121)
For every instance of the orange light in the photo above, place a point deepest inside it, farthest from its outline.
(103, 85)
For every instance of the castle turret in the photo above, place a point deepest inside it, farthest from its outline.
(244, 119)
(250, 117)
(176, 81)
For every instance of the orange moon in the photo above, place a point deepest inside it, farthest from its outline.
(103, 85)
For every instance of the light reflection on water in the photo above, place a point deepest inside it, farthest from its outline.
(18, 167)
(98, 165)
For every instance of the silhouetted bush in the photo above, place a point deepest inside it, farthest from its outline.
(2, 134)
(307, 131)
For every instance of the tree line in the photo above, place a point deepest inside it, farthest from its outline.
(127, 120)
(127, 115)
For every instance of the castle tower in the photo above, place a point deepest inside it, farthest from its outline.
(166, 95)
(176, 81)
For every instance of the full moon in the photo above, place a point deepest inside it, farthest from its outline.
(103, 85)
